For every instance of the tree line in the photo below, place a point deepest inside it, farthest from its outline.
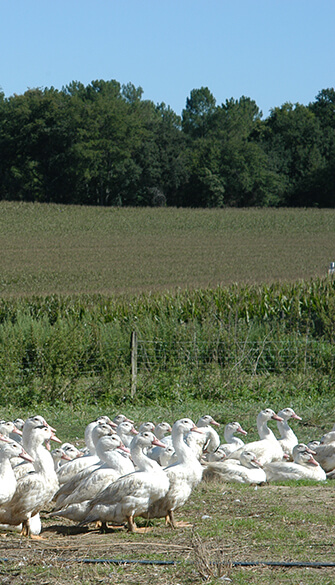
(102, 144)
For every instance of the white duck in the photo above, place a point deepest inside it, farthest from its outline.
(89, 442)
(68, 471)
(126, 432)
(8, 450)
(31, 423)
(288, 439)
(161, 430)
(325, 452)
(218, 455)
(59, 455)
(9, 429)
(76, 505)
(267, 448)
(114, 454)
(160, 454)
(167, 456)
(33, 490)
(245, 470)
(24, 468)
(107, 459)
(15, 435)
(132, 494)
(184, 475)
(303, 466)
(19, 424)
(147, 426)
(119, 418)
(71, 450)
(208, 440)
(312, 444)
(232, 443)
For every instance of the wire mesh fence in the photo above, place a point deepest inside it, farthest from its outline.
(251, 357)
(146, 362)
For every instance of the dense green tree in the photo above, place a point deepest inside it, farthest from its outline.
(204, 187)
(197, 115)
(293, 140)
(243, 162)
(236, 119)
(324, 178)
(35, 140)
(171, 143)
(131, 93)
(107, 141)
(228, 164)
(324, 107)
(102, 144)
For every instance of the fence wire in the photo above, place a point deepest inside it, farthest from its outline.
(250, 357)
(122, 366)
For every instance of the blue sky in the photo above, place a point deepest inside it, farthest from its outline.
(272, 51)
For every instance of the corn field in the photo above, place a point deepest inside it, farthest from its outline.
(206, 341)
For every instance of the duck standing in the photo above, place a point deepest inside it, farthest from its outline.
(183, 476)
(35, 489)
(131, 495)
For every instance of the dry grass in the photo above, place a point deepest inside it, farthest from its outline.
(47, 249)
(231, 525)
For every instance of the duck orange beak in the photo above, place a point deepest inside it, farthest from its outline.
(276, 417)
(158, 443)
(240, 430)
(17, 431)
(196, 429)
(26, 456)
(296, 417)
(54, 438)
(122, 447)
(312, 461)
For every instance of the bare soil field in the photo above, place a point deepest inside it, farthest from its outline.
(234, 534)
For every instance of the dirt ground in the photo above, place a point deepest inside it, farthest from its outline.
(227, 525)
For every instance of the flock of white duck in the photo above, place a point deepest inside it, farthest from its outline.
(124, 473)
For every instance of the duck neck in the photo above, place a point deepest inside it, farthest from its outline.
(213, 440)
(126, 439)
(43, 462)
(263, 429)
(182, 449)
(285, 430)
(160, 433)
(88, 438)
(229, 435)
(142, 462)
(6, 469)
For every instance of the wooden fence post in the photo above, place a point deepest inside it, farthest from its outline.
(134, 345)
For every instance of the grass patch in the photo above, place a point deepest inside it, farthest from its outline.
(70, 422)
